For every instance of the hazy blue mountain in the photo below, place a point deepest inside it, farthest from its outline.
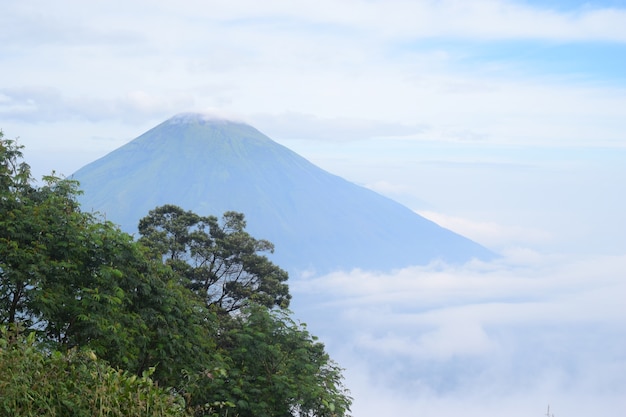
(316, 220)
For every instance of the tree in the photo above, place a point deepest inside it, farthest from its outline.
(21, 227)
(45, 248)
(219, 261)
(265, 364)
(79, 281)
(270, 366)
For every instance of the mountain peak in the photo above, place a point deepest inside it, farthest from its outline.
(203, 118)
(316, 220)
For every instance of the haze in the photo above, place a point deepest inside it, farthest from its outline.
(501, 120)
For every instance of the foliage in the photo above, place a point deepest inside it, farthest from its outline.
(266, 364)
(276, 368)
(21, 227)
(218, 260)
(43, 246)
(79, 281)
(34, 382)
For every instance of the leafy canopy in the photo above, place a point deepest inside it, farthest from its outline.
(219, 261)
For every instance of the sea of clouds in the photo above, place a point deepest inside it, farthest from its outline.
(509, 337)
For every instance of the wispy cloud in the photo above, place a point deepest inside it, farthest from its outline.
(47, 104)
(403, 18)
(309, 127)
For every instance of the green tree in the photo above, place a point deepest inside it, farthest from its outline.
(80, 281)
(219, 261)
(45, 250)
(266, 364)
(21, 229)
(179, 333)
(275, 367)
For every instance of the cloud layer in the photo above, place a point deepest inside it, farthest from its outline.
(400, 60)
(491, 339)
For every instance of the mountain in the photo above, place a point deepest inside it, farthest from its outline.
(318, 221)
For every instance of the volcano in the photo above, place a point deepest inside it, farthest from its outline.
(317, 221)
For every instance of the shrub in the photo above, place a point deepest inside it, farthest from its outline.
(36, 382)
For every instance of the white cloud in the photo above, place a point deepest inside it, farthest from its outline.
(45, 104)
(330, 70)
(488, 338)
(491, 234)
(298, 126)
(404, 18)
(457, 339)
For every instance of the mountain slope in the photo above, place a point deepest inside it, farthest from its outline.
(316, 220)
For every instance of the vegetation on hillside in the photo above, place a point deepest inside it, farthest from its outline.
(35, 382)
(189, 320)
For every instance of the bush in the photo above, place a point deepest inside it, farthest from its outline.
(35, 382)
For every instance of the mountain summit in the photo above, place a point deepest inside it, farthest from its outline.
(317, 221)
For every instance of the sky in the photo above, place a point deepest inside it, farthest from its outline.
(504, 121)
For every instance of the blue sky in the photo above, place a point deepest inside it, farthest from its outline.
(593, 62)
(503, 120)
